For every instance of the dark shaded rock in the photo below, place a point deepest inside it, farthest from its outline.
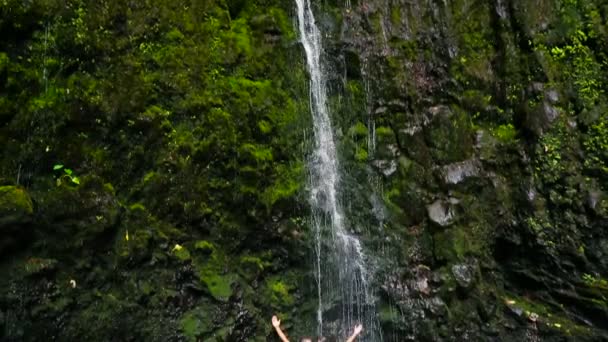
(90, 208)
(449, 135)
(16, 214)
(37, 266)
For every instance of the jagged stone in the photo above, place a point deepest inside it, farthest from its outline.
(464, 274)
(457, 172)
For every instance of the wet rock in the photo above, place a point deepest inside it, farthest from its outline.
(437, 306)
(416, 123)
(594, 199)
(457, 172)
(422, 278)
(540, 118)
(501, 9)
(552, 96)
(486, 145)
(464, 274)
(386, 167)
(441, 212)
(396, 288)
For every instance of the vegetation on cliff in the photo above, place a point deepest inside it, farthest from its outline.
(152, 175)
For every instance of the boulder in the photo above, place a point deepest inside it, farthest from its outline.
(441, 212)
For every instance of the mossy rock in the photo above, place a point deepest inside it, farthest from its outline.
(212, 269)
(457, 243)
(15, 206)
(450, 136)
(278, 290)
(197, 322)
(16, 211)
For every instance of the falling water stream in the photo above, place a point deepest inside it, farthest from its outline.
(344, 297)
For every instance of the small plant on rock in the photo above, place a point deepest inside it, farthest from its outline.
(66, 175)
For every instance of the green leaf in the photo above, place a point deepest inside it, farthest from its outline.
(57, 167)
(68, 172)
(76, 180)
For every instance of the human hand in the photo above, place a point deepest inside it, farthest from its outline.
(275, 322)
(358, 329)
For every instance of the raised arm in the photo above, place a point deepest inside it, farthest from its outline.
(277, 326)
(356, 333)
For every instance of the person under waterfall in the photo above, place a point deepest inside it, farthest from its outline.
(276, 323)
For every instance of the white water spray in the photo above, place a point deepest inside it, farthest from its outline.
(341, 273)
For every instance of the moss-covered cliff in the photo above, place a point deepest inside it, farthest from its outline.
(153, 175)
(178, 126)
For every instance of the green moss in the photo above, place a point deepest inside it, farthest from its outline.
(181, 252)
(219, 286)
(361, 155)
(15, 201)
(279, 292)
(287, 184)
(137, 207)
(4, 61)
(108, 187)
(175, 35)
(258, 263)
(264, 126)
(595, 281)
(595, 143)
(196, 323)
(384, 131)
(457, 243)
(551, 317)
(396, 15)
(149, 177)
(212, 270)
(450, 137)
(260, 154)
(359, 130)
(175, 114)
(205, 246)
(506, 134)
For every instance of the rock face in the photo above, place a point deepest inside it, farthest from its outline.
(489, 111)
(472, 136)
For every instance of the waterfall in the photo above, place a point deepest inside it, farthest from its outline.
(340, 269)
